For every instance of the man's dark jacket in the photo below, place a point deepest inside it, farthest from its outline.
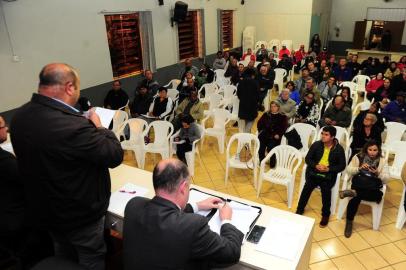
(64, 160)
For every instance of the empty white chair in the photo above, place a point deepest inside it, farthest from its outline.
(401, 218)
(376, 208)
(162, 131)
(334, 189)
(219, 78)
(235, 108)
(118, 119)
(288, 160)
(220, 119)
(288, 43)
(173, 84)
(214, 103)
(209, 89)
(307, 135)
(280, 73)
(361, 81)
(394, 133)
(173, 94)
(228, 92)
(219, 73)
(233, 161)
(135, 142)
(399, 159)
(258, 45)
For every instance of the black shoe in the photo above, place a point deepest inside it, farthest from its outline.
(348, 228)
(299, 212)
(323, 222)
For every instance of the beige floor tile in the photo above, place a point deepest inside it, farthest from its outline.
(246, 190)
(387, 268)
(334, 247)
(391, 213)
(252, 198)
(399, 266)
(348, 262)
(401, 244)
(271, 198)
(337, 227)
(391, 253)
(317, 254)
(208, 184)
(324, 265)
(355, 242)
(361, 223)
(392, 233)
(370, 259)
(374, 238)
(320, 234)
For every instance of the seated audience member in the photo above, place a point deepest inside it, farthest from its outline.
(151, 84)
(271, 127)
(354, 66)
(184, 91)
(287, 106)
(385, 63)
(367, 176)
(301, 81)
(395, 111)
(313, 71)
(248, 94)
(240, 74)
(325, 159)
(190, 105)
(205, 75)
(382, 92)
(346, 94)
(232, 71)
(311, 87)
(368, 130)
(228, 62)
(320, 67)
(299, 55)
(285, 63)
(265, 79)
(272, 62)
(248, 56)
(294, 93)
(219, 62)
(308, 111)
(116, 97)
(336, 115)
(262, 53)
(275, 52)
(189, 67)
(392, 71)
(374, 84)
(188, 75)
(398, 84)
(189, 132)
(367, 62)
(332, 62)
(328, 89)
(284, 51)
(373, 69)
(263, 62)
(161, 106)
(251, 66)
(342, 72)
(311, 54)
(141, 103)
(374, 109)
(323, 55)
(326, 74)
(402, 63)
(166, 225)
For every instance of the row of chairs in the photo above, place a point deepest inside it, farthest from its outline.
(275, 42)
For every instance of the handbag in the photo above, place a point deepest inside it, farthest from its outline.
(366, 180)
(293, 139)
(245, 155)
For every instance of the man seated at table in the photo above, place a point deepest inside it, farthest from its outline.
(116, 98)
(190, 105)
(395, 111)
(164, 233)
(325, 159)
(336, 115)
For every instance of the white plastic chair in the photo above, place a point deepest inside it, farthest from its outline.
(288, 43)
(220, 119)
(399, 150)
(401, 218)
(353, 86)
(361, 81)
(214, 103)
(280, 73)
(307, 135)
(125, 106)
(189, 156)
(334, 189)
(394, 133)
(219, 73)
(135, 143)
(235, 109)
(219, 78)
(163, 131)
(118, 119)
(173, 84)
(173, 94)
(288, 160)
(233, 161)
(376, 208)
(258, 45)
(229, 92)
(209, 89)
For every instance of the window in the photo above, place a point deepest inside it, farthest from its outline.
(123, 34)
(190, 36)
(226, 28)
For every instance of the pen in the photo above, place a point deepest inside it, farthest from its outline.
(129, 192)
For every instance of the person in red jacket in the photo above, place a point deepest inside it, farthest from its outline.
(375, 83)
(299, 55)
(283, 51)
(249, 54)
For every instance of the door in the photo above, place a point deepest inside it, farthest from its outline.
(396, 30)
(359, 34)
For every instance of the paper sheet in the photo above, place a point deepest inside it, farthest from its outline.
(282, 238)
(106, 115)
(120, 198)
(149, 116)
(197, 196)
(243, 217)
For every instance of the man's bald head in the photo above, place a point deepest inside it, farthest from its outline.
(168, 174)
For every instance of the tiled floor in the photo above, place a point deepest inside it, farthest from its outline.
(366, 249)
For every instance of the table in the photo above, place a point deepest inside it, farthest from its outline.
(250, 257)
(364, 54)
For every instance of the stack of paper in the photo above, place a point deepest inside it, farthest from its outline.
(282, 238)
(105, 115)
(121, 197)
(197, 196)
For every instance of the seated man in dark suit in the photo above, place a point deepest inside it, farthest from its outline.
(164, 232)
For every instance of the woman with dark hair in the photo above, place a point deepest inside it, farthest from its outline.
(294, 93)
(326, 73)
(346, 94)
(308, 111)
(392, 70)
(367, 131)
(315, 43)
(402, 63)
(374, 109)
(368, 173)
(189, 132)
(382, 92)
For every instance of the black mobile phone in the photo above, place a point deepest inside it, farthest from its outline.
(256, 234)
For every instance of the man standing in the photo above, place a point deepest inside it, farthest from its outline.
(248, 94)
(325, 159)
(63, 158)
(116, 98)
(163, 233)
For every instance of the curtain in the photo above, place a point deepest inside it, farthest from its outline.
(147, 40)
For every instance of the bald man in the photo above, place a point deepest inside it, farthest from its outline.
(163, 233)
(63, 158)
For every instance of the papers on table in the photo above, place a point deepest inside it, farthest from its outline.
(148, 116)
(197, 196)
(121, 197)
(282, 238)
(243, 217)
(106, 115)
